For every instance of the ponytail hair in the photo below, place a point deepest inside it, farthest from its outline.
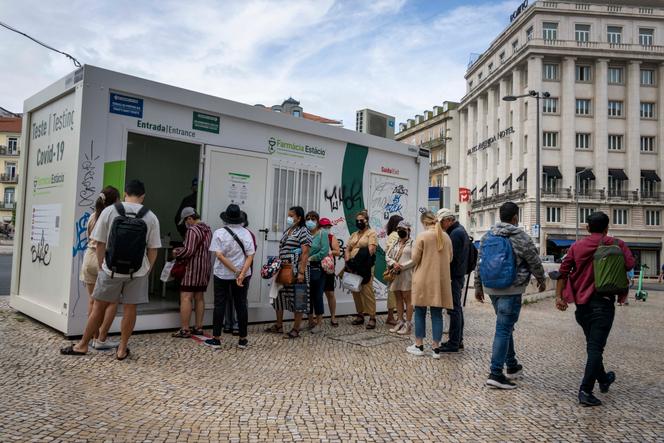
(429, 219)
(107, 197)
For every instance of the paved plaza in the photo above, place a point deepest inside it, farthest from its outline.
(334, 386)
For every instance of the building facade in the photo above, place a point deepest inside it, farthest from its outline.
(10, 139)
(292, 107)
(438, 131)
(602, 128)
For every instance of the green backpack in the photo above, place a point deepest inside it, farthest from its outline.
(609, 269)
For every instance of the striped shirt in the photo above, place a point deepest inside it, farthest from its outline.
(195, 251)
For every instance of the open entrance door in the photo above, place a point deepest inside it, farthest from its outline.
(232, 176)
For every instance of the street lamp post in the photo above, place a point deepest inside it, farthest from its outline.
(538, 174)
(578, 185)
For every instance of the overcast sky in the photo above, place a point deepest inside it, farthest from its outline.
(394, 56)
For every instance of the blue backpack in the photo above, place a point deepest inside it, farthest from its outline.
(497, 263)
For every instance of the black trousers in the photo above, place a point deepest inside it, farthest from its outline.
(596, 319)
(456, 314)
(227, 291)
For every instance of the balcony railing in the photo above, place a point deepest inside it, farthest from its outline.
(598, 46)
(438, 164)
(8, 178)
(565, 193)
(500, 198)
(4, 150)
(435, 142)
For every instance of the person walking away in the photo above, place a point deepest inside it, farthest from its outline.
(294, 251)
(400, 264)
(591, 276)
(90, 268)
(460, 249)
(190, 201)
(118, 231)
(360, 258)
(661, 274)
(196, 253)
(507, 258)
(330, 279)
(234, 250)
(320, 248)
(392, 238)
(432, 285)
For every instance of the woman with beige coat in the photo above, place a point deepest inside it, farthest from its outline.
(432, 284)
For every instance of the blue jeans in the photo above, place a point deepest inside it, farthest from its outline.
(507, 309)
(436, 323)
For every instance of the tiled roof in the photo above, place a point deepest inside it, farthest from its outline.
(319, 119)
(9, 124)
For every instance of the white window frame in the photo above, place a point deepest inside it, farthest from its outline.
(648, 143)
(12, 145)
(550, 139)
(615, 186)
(648, 188)
(583, 105)
(614, 34)
(583, 140)
(551, 71)
(653, 217)
(649, 76)
(616, 75)
(647, 39)
(297, 190)
(583, 69)
(584, 213)
(616, 108)
(530, 33)
(550, 31)
(615, 142)
(582, 35)
(553, 214)
(620, 216)
(550, 105)
(647, 110)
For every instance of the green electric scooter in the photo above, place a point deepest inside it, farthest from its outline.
(641, 294)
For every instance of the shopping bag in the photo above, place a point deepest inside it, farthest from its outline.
(166, 272)
(352, 282)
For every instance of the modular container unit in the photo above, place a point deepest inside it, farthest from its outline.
(97, 127)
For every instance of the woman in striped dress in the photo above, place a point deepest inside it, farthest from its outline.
(198, 269)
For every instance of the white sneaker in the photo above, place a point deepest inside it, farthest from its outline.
(435, 354)
(405, 329)
(104, 345)
(397, 327)
(415, 350)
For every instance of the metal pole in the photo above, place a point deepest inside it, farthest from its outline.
(538, 175)
(576, 237)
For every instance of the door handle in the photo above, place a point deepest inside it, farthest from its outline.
(265, 232)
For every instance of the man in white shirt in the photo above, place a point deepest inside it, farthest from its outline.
(234, 249)
(116, 287)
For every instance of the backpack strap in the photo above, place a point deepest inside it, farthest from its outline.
(143, 212)
(235, 237)
(120, 208)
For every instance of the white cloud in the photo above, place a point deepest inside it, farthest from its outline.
(333, 56)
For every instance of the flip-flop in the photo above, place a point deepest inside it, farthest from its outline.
(122, 358)
(275, 329)
(69, 350)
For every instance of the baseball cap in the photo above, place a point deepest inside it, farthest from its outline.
(186, 212)
(444, 213)
(403, 224)
(324, 222)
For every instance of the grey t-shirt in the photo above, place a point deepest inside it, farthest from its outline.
(103, 226)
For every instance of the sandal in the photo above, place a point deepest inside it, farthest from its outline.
(69, 350)
(195, 331)
(122, 358)
(294, 333)
(182, 333)
(371, 324)
(275, 329)
(391, 322)
(359, 320)
(334, 324)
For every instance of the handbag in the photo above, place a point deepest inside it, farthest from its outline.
(352, 282)
(389, 274)
(328, 265)
(285, 276)
(179, 269)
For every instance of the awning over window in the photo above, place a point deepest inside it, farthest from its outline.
(552, 171)
(618, 174)
(586, 175)
(494, 185)
(650, 175)
(508, 180)
(523, 175)
(483, 188)
(651, 246)
(561, 242)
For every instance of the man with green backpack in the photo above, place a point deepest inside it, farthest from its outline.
(592, 275)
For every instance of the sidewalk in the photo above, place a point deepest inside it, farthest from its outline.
(326, 388)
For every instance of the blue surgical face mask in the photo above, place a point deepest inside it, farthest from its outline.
(289, 222)
(311, 225)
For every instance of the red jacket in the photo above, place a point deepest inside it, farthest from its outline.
(577, 267)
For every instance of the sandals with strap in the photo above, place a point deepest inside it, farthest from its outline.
(275, 329)
(294, 333)
(182, 333)
(371, 324)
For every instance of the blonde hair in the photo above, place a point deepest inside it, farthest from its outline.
(429, 219)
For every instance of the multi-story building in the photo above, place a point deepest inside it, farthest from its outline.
(438, 131)
(10, 138)
(602, 128)
(292, 107)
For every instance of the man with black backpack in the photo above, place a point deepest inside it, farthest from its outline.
(592, 274)
(127, 236)
(507, 258)
(458, 267)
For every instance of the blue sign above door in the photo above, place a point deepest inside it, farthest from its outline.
(125, 105)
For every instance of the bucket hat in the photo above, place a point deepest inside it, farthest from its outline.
(232, 215)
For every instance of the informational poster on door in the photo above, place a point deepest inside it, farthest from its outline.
(389, 196)
(45, 224)
(238, 188)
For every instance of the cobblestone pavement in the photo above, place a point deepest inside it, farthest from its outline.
(316, 388)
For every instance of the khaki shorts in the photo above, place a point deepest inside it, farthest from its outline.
(129, 291)
(90, 267)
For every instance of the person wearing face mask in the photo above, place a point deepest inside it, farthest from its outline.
(330, 279)
(294, 249)
(320, 248)
(400, 264)
(392, 238)
(360, 257)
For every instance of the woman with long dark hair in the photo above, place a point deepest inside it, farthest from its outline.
(90, 268)
(392, 238)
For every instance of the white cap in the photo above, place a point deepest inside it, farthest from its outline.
(444, 213)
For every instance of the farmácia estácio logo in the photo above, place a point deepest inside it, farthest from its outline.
(281, 146)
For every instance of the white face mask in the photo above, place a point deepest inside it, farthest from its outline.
(289, 222)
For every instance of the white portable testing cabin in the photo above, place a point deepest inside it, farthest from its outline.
(97, 127)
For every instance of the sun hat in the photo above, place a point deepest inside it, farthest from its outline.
(232, 215)
(186, 212)
(444, 213)
(324, 222)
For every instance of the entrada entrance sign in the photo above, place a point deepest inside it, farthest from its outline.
(519, 10)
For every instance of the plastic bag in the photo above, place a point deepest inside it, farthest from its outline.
(166, 272)
(352, 282)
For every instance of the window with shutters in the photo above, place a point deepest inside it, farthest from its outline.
(294, 187)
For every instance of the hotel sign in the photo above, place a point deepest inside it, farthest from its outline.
(489, 141)
(519, 10)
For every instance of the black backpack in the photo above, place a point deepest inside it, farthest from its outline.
(472, 257)
(127, 241)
